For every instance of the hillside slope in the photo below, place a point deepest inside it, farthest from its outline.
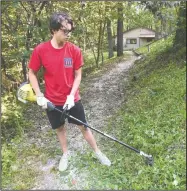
(153, 119)
(141, 103)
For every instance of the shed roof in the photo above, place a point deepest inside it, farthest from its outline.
(136, 28)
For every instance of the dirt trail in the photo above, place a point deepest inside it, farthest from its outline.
(102, 95)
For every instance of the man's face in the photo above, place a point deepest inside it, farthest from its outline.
(64, 32)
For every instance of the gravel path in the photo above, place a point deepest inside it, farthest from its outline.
(102, 94)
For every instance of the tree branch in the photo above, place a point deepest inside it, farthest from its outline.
(2, 10)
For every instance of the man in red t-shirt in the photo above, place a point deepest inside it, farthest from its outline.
(62, 62)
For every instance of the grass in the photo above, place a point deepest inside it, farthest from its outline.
(16, 150)
(90, 65)
(152, 120)
(89, 58)
(163, 44)
(16, 163)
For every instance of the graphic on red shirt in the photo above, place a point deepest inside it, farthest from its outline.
(59, 67)
(68, 63)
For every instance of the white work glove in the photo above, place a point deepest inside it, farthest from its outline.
(69, 102)
(42, 101)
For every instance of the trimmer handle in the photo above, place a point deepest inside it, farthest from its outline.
(50, 106)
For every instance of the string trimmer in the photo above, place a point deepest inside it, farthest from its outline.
(25, 94)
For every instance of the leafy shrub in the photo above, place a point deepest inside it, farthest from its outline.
(152, 120)
(12, 120)
(9, 156)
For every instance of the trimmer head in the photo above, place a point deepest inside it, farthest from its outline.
(149, 160)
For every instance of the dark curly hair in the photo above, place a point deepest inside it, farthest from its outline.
(56, 19)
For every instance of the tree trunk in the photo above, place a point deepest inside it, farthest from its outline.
(102, 39)
(24, 69)
(92, 48)
(3, 64)
(110, 43)
(120, 30)
(99, 45)
(156, 32)
(84, 46)
(165, 27)
(156, 26)
(88, 39)
(180, 36)
(161, 28)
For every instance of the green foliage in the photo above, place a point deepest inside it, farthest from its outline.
(180, 38)
(12, 121)
(158, 46)
(152, 120)
(89, 59)
(13, 125)
(16, 162)
(90, 68)
(25, 24)
(9, 156)
(160, 52)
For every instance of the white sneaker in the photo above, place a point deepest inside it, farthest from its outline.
(63, 165)
(102, 158)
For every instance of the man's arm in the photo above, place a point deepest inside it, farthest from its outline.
(77, 81)
(70, 98)
(41, 100)
(34, 82)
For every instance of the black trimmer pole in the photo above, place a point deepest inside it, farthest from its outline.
(106, 135)
(149, 158)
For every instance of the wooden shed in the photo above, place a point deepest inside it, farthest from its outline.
(136, 37)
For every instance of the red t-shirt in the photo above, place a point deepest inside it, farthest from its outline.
(59, 67)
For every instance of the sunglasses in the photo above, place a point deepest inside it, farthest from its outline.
(65, 30)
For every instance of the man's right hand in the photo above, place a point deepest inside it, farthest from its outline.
(42, 101)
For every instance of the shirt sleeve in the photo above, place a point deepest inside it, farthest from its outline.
(35, 62)
(78, 59)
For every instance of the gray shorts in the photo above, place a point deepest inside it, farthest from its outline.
(56, 119)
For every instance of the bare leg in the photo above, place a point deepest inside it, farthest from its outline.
(61, 133)
(89, 137)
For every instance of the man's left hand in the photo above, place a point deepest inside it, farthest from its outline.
(69, 102)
